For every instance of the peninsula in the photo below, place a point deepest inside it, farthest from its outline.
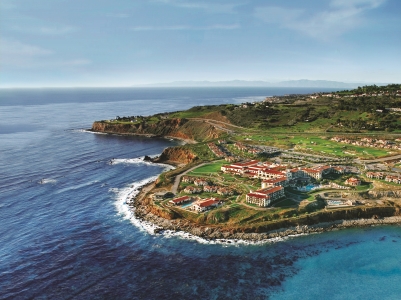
(287, 165)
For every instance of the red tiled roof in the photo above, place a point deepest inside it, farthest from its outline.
(270, 190)
(208, 202)
(257, 196)
(183, 198)
(310, 171)
(275, 180)
(273, 172)
(248, 163)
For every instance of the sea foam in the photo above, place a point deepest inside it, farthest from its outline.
(124, 196)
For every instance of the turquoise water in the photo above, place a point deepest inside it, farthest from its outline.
(360, 264)
(186, 205)
(308, 188)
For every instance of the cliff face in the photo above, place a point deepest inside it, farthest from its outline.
(177, 154)
(196, 130)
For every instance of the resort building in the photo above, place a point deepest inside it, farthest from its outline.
(206, 204)
(317, 174)
(265, 197)
(274, 182)
(180, 200)
(239, 168)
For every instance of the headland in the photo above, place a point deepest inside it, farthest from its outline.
(294, 164)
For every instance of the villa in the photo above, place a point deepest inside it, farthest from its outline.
(353, 181)
(393, 178)
(192, 190)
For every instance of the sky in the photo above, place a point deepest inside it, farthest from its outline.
(77, 43)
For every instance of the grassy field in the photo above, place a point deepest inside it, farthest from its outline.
(209, 168)
(325, 146)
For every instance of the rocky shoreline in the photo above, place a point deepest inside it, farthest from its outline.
(215, 232)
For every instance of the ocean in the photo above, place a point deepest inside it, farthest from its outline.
(66, 231)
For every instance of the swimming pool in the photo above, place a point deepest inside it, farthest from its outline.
(307, 188)
(186, 205)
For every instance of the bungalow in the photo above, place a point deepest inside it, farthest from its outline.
(188, 179)
(192, 190)
(180, 200)
(265, 197)
(392, 178)
(376, 175)
(210, 188)
(353, 181)
(201, 182)
(225, 191)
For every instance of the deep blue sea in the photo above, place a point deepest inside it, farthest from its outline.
(67, 233)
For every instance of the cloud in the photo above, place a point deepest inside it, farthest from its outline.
(46, 30)
(206, 6)
(117, 15)
(16, 54)
(74, 62)
(16, 48)
(185, 27)
(343, 16)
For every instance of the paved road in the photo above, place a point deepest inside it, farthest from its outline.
(215, 121)
(378, 159)
(178, 178)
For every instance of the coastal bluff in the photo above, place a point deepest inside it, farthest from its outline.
(180, 128)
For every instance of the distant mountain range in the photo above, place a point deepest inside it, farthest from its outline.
(243, 83)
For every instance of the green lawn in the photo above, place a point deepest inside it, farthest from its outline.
(324, 146)
(209, 168)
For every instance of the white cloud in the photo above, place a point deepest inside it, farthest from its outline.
(15, 48)
(185, 27)
(343, 16)
(15, 54)
(74, 62)
(46, 30)
(356, 3)
(117, 15)
(210, 6)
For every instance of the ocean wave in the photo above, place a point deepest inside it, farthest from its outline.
(124, 196)
(87, 131)
(47, 181)
(139, 160)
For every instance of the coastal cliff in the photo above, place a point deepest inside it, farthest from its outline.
(186, 129)
(178, 154)
(167, 219)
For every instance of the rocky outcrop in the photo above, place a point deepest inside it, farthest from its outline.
(196, 130)
(176, 154)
